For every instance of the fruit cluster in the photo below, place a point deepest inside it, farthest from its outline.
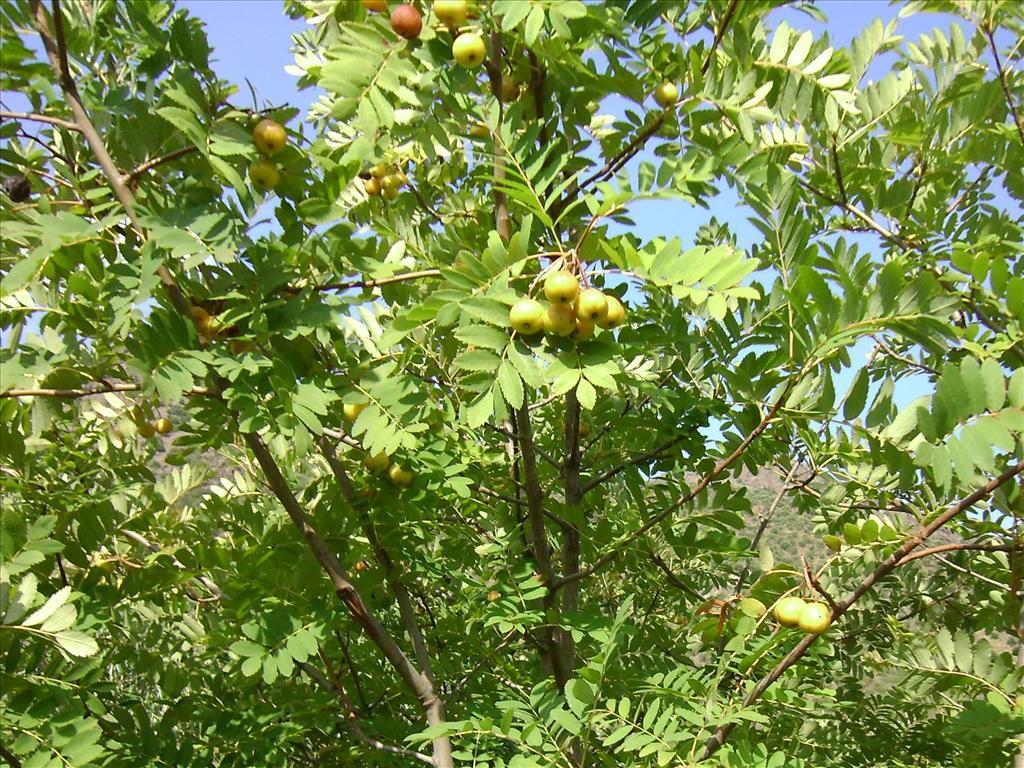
(384, 181)
(571, 312)
(468, 49)
(270, 137)
(812, 617)
(380, 462)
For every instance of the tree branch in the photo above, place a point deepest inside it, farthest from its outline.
(96, 388)
(884, 569)
(1005, 83)
(32, 116)
(9, 757)
(718, 469)
(142, 168)
(962, 547)
(345, 286)
(646, 456)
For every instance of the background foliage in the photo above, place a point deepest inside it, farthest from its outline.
(579, 571)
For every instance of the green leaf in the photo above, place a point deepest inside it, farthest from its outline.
(511, 385)
(55, 601)
(76, 643)
(857, 396)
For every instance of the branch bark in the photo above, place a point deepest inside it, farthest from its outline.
(36, 118)
(884, 569)
(1005, 83)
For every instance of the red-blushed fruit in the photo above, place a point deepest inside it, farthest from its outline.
(451, 13)
(372, 186)
(163, 426)
(592, 305)
(666, 94)
(561, 287)
(406, 21)
(375, 6)
(399, 475)
(377, 463)
(584, 329)
(559, 319)
(269, 136)
(526, 316)
(264, 174)
(615, 315)
(493, 595)
(468, 50)
(788, 610)
(815, 618)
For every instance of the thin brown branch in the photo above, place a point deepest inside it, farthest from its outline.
(32, 116)
(350, 284)
(629, 406)
(1005, 83)
(674, 580)
(869, 222)
(718, 469)
(884, 569)
(9, 757)
(478, 666)
(494, 59)
(961, 547)
(765, 521)
(96, 388)
(141, 540)
(646, 456)
(142, 168)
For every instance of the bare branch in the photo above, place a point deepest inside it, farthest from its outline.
(348, 285)
(96, 388)
(32, 116)
(646, 456)
(960, 548)
(142, 168)
(1005, 83)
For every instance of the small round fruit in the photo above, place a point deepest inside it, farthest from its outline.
(390, 193)
(377, 463)
(399, 475)
(163, 426)
(395, 180)
(788, 611)
(815, 618)
(592, 305)
(526, 316)
(561, 287)
(451, 12)
(559, 319)
(509, 89)
(493, 595)
(406, 21)
(375, 6)
(269, 136)
(468, 50)
(832, 542)
(352, 410)
(379, 171)
(480, 131)
(615, 315)
(362, 565)
(666, 94)
(146, 429)
(264, 174)
(372, 186)
(584, 329)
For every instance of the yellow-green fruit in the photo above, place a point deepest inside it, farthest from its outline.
(395, 180)
(526, 316)
(399, 475)
(561, 287)
(666, 94)
(559, 319)
(390, 193)
(352, 410)
(263, 174)
(163, 426)
(377, 463)
(615, 315)
(592, 305)
(451, 12)
(832, 542)
(468, 50)
(375, 6)
(362, 565)
(480, 131)
(372, 186)
(146, 429)
(788, 611)
(584, 329)
(269, 136)
(493, 595)
(509, 89)
(815, 618)
(379, 171)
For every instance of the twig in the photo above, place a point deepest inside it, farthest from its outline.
(345, 286)
(40, 119)
(96, 388)
(961, 547)
(816, 584)
(646, 456)
(719, 33)
(766, 519)
(476, 667)
(143, 541)
(674, 580)
(9, 757)
(1005, 83)
(142, 168)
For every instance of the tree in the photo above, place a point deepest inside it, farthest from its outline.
(576, 575)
